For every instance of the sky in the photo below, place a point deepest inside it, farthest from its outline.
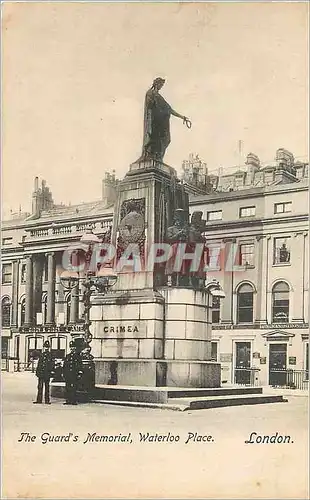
(74, 76)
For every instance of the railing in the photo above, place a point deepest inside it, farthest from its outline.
(247, 376)
(289, 379)
(37, 233)
(69, 228)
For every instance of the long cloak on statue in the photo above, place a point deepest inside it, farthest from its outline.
(156, 133)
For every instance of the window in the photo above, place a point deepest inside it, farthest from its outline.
(247, 211)
(214, 256)
(281, 208)
(23, 273)
(213, 351)
(34, 348)
(246, 254)
(6, 273)
(245, 304)
(307, 362)
(7, 241)
(216, 309)
(280, 302)
(215, 215)
(22, 311)
(6, 312)
(58, 347)
(281, 251)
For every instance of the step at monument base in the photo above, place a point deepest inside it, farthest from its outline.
(181, 399)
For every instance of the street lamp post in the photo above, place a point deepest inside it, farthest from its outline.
(91, 280)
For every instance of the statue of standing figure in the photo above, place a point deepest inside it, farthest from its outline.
(191, 234)
(157, 112)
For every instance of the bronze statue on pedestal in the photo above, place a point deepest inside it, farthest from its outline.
(156, 133)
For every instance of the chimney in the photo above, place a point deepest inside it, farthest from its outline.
(253, 164)
(285, 169)
(41, 198)
(36, 198)
(109, 185)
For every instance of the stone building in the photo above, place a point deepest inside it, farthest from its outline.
(257, 238)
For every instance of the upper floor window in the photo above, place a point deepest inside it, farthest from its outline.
(6, 312)
(215, 309)
(215, 215)
(246, 252)
(23, 273)
(6, 273)
(213, 252)
(280, 208)
(280, 302)
(281, 250)
(247, 211)
(245, 304)
(7, 241)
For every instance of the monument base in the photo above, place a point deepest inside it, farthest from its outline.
(158, 373)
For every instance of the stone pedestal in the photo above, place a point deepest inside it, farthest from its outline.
(153, 338)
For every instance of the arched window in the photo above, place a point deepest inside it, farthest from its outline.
(22, 311)
(68, 309)
(280, 302)
(245, 304)
(6, 312)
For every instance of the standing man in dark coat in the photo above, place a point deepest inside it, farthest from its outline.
(44, 371)
(72, 371)
(88, 376)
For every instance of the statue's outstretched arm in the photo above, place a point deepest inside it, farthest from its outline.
(174, 113)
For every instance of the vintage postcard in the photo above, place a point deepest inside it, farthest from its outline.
(155, 250)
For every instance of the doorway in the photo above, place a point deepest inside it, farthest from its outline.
(277, 364)
(243, 363)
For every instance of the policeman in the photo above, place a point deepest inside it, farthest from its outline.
(88, 369)
(44, 371)
(72, 371)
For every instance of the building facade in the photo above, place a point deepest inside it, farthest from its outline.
(257, 239)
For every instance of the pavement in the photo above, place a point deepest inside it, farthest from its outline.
(58, 456)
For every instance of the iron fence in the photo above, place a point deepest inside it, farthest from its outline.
(289, 379)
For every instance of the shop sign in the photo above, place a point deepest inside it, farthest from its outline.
(292, 360)
(226, 357)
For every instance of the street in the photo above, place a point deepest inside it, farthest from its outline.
(91, 460)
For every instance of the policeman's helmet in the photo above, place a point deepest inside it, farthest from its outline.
(46, 344)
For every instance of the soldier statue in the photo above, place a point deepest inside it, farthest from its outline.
(176, 234)
(72, 371)
(87, 381)
(44, 372)
(196, 229)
